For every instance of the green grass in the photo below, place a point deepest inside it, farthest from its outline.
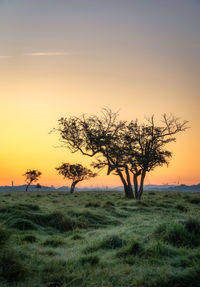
(94, 239)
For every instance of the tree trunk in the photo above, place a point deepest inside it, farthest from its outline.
(27, 186)
(139, 196)
(135, 181)
(128, 191)
(127, 187)
(73, 186)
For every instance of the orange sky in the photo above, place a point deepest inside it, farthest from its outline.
(72, 58)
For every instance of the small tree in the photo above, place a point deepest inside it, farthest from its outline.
(75, 172)
(31, 176)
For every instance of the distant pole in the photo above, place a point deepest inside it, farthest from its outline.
(12, 183)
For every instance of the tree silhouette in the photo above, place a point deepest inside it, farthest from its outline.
(128, 150)
(145, 146)
(31, 176)
(75, 172)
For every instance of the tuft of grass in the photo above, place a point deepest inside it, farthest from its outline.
(158, 250)
(64, 223)
(77, 237)
(54, 242)
(28, 206)
(29, 238)
(186, 233)
(94, 219)
(194, 200)
(109, 242)
(182, 261)
(90, 259)
(24, 220)
(92, 204)
(112, 242)
(132, 249)
(56, 274)
(22, 224)
(4, 235)
(109, 204)
(192, 225)
(11, 267)
(168, 278)
(181, 207)
(49, 252)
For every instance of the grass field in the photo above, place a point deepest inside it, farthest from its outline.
(99, 239)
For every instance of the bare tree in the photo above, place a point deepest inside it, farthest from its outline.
(75, 172)
(31, 176)
(128, 150)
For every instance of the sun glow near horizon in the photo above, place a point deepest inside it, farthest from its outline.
(141, 59)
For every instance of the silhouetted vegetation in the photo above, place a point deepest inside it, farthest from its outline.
(31, 176)
(75, 172)
(127, 149)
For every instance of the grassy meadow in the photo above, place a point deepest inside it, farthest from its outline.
(98, 239)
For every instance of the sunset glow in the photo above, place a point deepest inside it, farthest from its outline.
(62, 58)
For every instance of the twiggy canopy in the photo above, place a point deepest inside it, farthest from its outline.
(123, 147)
(31, 176)
(75, 172)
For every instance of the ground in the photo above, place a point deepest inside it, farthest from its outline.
(95, 239)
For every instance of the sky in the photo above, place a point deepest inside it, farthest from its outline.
(64, 58)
